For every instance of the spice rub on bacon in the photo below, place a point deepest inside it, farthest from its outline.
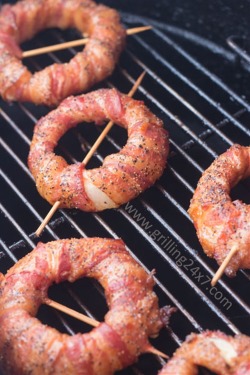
(221, 223)
(122, 176)
(29, 347)
(23, 20)
(215, 351)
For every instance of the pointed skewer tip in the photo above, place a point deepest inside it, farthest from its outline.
(47, 218)
(151, 349)
(223, 265)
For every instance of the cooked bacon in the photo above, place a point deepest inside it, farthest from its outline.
(49, 86)
(217, 352)
(122, 176)
(220, 222)
(29, 347)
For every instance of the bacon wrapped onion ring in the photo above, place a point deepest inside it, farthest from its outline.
(122, 176)
(29, 347)
(220, 222)
(217, 352)
(26, 18)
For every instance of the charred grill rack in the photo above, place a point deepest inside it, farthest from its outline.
(200, 90)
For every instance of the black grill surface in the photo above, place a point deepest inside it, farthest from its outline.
(200, 89)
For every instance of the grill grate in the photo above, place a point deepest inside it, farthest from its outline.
(200, 91)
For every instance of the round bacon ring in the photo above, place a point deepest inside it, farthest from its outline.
(122, 176)
(29, 347)
(23, 20)
(221, 223)
(213, 350)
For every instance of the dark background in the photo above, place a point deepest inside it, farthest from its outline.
(211, 19)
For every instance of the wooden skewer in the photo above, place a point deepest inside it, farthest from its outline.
(47, 218)
(71, 312)
(87, 157)
(74, 43)
(75, 314)
(224, 265)
(153, 350)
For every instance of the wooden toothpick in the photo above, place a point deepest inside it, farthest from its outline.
(47, 218)
(88, 157)
(71, 312)
(94, 323)
(74, 43)
(151, 349)
(224, 265)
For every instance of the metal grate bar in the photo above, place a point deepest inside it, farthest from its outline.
(191, 84)
(17, 226)
(7, 251)
(181, 151)
(180, 178)
(169, 113)
(233, 43)
(14, 126)
(25, 202)
(203, 69)
(204, 135)
(204, 120)
(14, 156)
